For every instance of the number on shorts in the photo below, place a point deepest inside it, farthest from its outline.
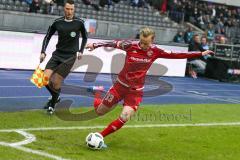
(109, 97)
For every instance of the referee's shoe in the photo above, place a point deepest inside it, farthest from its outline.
(50, 103)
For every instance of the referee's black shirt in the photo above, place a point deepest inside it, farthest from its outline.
(68, 36)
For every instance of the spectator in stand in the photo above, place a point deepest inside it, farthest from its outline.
(110, 3)
(214, 12)
(220, 26)
(48, 6)
(178, 38)
(28, 1)
(199, 64)
(188, 35)
(222, 50)
(200, 20)
(195, 44)
(164, 6)
(90, 2)
(195, 16)
(156, 4)
(102, 3)
(34, 6)
(137, 3)
(134, 3)
(210, 32)
(59, 2)
(222, 40)
(226, 19)
(205, 47)
(204, 43)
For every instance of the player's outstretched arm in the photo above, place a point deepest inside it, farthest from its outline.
(182, 55)
(123, 45)
(207, 52)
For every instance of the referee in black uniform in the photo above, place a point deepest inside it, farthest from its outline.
(67, 50)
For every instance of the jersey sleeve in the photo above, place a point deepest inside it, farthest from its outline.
(177, 55)
(84, 37)
(119, 44)
(50, 32)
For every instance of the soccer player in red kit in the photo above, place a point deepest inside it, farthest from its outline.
(130, 82)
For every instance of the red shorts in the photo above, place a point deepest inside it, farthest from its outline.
(118, 92)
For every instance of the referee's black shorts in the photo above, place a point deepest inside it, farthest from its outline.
(61, 64)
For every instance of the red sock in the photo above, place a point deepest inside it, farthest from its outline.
(114, 126)
(97, 100)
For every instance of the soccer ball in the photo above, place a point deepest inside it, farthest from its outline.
(94, 141)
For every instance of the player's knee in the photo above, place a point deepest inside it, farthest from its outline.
(100, 112)
(126, 116)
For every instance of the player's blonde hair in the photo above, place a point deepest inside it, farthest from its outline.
(146, 31)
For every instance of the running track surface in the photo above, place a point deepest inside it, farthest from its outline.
(18, 93)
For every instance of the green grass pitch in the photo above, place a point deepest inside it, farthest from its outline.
(145, 143)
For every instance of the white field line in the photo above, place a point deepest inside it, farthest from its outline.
(23, 97)
(172, 82)
(217, 98)
(170, 95)
(18, 87)
(127, 126)
(29, 138)
(40, 153)
(154, 87)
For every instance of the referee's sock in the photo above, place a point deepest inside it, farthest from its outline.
(55, 94)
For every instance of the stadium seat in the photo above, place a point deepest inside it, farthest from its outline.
(15, 8)
(60, 7)
(77, 10)
(2, 6)
(82, 10)
(55, 12)
(77, 15)
(94, 12)
(10, 2)
(94, 16)
(78, 5)
(17, 3)
(105, 8)
(8, 7)
(104, 18)
(41, 11)
(24, 4)
(20, 8)
(115, 19)
(122, 12)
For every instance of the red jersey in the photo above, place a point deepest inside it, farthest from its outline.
(138, 61)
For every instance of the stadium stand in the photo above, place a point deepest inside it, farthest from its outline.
(224, 19)
(122, 12)
(212, 19)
